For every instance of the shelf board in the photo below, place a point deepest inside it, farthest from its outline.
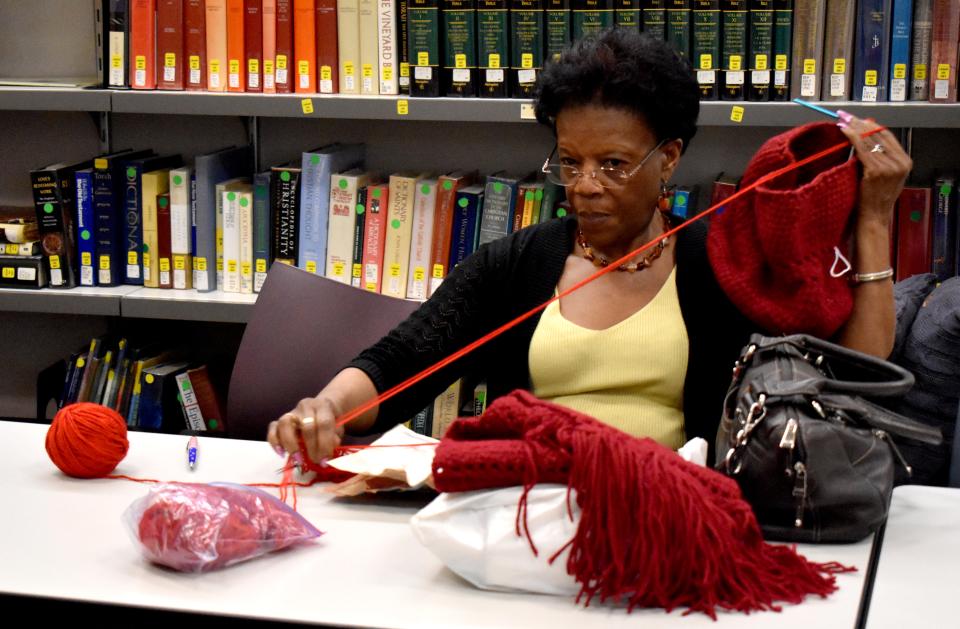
(96, 301)
(158, 303)
(915, 114)
(54, 99)
(324, 106)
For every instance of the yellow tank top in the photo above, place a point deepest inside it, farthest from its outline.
(629, 375)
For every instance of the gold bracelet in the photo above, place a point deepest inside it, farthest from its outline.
(860, 278)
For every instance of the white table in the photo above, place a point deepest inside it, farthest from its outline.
(916, 578)
(62, 538)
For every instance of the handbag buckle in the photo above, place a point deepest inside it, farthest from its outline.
(732, 461)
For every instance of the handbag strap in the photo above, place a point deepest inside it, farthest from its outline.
(883, 418)
(887, 379)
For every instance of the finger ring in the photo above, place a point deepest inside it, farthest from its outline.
(306, 421)
(877, 148)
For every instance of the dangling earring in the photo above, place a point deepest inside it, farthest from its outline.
(664, 202)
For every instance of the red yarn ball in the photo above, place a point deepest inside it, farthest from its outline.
(87, 440)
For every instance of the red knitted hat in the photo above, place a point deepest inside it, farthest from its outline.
(772, 249)
(654, 530)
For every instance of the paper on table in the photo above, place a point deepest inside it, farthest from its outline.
(382, 468)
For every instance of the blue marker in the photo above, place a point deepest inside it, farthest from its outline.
(192, 449)
(818, 108)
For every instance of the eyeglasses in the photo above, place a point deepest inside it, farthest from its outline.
(605, 176)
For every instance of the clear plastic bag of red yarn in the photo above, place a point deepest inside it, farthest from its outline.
(198, 528)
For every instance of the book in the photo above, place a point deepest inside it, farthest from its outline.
(589, 17)
(447, 187)
(761, 49)
(328, 44)
(913, 242)
(253, 45)
(117, 47)
(421, 238)
(557, 18)
(399, 229)
(359, 235)
(841, 18)
(900, 53)
(526, 43)
(348, 43)
(142, 62)
(466, 224)
(499, 207)
(236, 77)
(678, 26)
(942, 74)
(195, 45)
(86, 230)
(304, 46)
(341, 223)
(164, 255)
(459, 73)
(284, 56)
(374, 236)
(626, 14)
(245, 219)
(706, 45)
(262, 240)
(782, 49)
(268, 28)
(808, 27)
(387, 47)
(285, 212)
(228, 233)
(23, 271)
(216, 29)
(425, 54)
(368, 67)
(181, 247)
(403, 47)
(153, 184)
(133, 211)
(493, 48)
(944, 237)
(54, 200)
(871, 56)
(733, 46)
(170, 39)
(109, 214)
(158, 396)
(921, 39)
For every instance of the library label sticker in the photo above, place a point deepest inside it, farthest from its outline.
(736, 113)
(403, 107)
(527, 112)
(306, 105)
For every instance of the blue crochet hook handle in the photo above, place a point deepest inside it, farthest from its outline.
(818, 108)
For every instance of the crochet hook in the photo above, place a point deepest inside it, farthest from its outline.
(818, 108)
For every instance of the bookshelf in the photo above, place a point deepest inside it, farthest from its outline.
(43, 125)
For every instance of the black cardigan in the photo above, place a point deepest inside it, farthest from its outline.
(512, 275)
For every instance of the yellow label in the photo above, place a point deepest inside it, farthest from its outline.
(179, 263)
(367, 71)
(357, 270)
(200, 264)
(267, 66)
(460, 61)
(526, 61)
(371, 286)
(81, 362)
(387, 73)
(706, 61)
(899, 70)
(760, 61)
(11, 248)
(735, 63)
(303, 67)
(403, 107)
(194, 62)
(253, 66)
(164, 265)
(338, 268)
(261, 266)
(245, 268)
(100, 163)
(104, 263)
(148, 378)
(86, 258)
(423, 58)
(870, 77)
(839, 66)
(170, 60)
(140, 62)
(132, 257)
(307, 105)
(404, 69)
(9, 272)
(116, 61)
(231, 266)
(394, 270)
(943, 71)
(780, 62)
(234, 66)
(326, 73)
(281, 62)
(146, 261)
(312, 266)
(809, 66)
(348, 68)
(220, 264)
(214, 66)
(920, 72)
(438, 271)
(493, 61)
(54, 262)
(418, 274)
(736, 114)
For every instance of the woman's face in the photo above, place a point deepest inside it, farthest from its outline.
(592, 136)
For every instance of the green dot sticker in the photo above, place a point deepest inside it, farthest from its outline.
(680, 201)
(314, 159)
(425, 189)
(538, 195)
(231, 196)
(463, 202)
(48, 207)
(244, 202)
(448, 185)
(284, 176)
(561, 212)
(916, 216)
(85, 234)
(261, 190)
(497, 187)
(528, 196)
(146, 248)
(213, 424)
(376, 193)
(395, 224)
(945, 189)
(162, 201)
(360, 208)
(177, 180)
(131, 173)
(343, 184)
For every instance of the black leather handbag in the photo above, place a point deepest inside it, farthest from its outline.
(812, 456)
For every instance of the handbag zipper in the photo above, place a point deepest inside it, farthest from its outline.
(799, 491)
(882, 435)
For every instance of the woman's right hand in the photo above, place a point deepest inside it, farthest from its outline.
(313, 420)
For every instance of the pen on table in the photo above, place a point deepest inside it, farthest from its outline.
(817, 108)
(192, 449)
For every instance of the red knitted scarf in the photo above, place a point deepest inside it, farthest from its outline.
(654, 531)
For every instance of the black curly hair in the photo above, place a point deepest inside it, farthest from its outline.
(625, 69)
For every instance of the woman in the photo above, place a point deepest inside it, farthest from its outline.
(648, 351)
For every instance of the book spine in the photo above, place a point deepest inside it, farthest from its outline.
(328, 44)
(761, 49)
(236, 79)
(734, 48)
(497, 218)
(871, 55)
(557, 16)
(245, 224)
(181, 249)
(387, 50)
(164, 242)
(403, 47)
(945, 228)
(464, 225)
(305, 46)
(526, 45)
(914, 255)
(374, 239)
(261, 228)
(706, 45)
(459, 76)
(268, 27)
(142, 60)
(133, 269)
(808, 23)
(231, 241)
(106, 207)
(170, 37)
(626, 14)
(216, 31)
(943, 51)
(425, 203)
(589, 17)
(902, 25)
(654, 19)
(359, 234)
(118, 44)
(284, 57)
(493, 47)
(425, 54)
(920, 49)
(285, 200)
(195, 45)
(396, 248)
(782, 49)
(838, 50)
(369, 58)
(678, 26)
(86, 230)
(349, 43)
(340, 227)
(253, 45)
